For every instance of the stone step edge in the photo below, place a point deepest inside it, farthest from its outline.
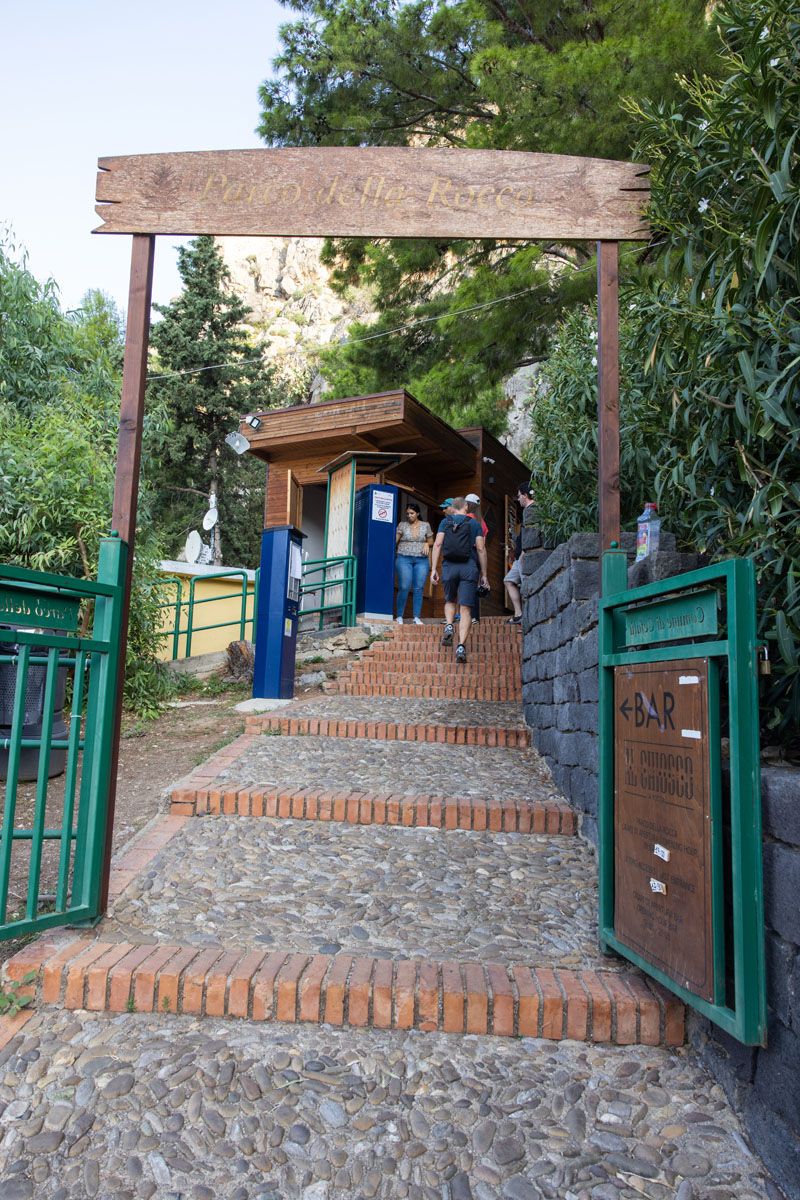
(477, 814)
(449, 996)
(508, 737)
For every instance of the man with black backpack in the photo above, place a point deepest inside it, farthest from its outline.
(457, 543)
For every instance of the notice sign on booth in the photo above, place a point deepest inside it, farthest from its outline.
(383, 506)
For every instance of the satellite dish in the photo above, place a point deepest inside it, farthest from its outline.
(193, 547)
(210, 519)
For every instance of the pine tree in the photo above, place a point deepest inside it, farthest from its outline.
(209, 373)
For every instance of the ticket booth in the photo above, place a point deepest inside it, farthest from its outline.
(392, 444)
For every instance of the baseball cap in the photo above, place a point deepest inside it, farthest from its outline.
(446, 503)
(472, 498)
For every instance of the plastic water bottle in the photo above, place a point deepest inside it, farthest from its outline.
(648, 531)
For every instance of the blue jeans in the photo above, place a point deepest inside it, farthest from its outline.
(412, 571)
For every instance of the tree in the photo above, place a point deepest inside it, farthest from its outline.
(59, 413)
(478, 73)
(208, 375)
(710, 395)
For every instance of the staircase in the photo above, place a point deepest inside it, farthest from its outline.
(392, 855)
(412, 662)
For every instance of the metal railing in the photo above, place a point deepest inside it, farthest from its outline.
(45, 656)
(337, 585)
(187, 632)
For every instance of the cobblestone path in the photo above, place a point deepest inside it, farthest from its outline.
(344, 948)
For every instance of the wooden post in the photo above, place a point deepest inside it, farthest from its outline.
(608, 391)
(126, 482)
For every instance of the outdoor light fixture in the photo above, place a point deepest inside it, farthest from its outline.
(237, 442)
(253, 422)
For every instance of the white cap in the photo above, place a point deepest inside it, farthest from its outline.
(472, 498)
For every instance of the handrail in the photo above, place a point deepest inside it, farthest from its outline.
(178, 605)
(346, 563)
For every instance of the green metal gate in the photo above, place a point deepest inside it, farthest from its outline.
(55, 791)
(698, 629)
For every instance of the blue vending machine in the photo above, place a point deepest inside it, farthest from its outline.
(278, 612)
(373, 545)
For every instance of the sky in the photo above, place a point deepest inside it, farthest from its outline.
(82, 79)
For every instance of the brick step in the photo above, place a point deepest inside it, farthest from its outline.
(438, 654)
(600, 1006)
(427, 691)
(363, 808)
(516, 738)
(443, 666)
(489, 641)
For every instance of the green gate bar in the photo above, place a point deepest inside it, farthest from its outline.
(743, 926)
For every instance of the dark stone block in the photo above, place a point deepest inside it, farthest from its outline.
(586, 615)
(584, 545)
(781, 959)
(542, 692)
(588, 686)
(585, 652)
(565, 689)
(585, 578)
(565, 750)
(533, 559)
(545, 740)
(552, 565)
(567, 625)
(780, 800)
(583, 790)
(732, 1064)
(777, 1142)
(588, 752)
(589, 828)
(781, 890)
(567, 715)
(666, 563)
(777, 1077)
(794, 994)
(561, 774)
(588, 718)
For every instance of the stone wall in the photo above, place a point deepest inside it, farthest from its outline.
(559, 688)
(764, 1084)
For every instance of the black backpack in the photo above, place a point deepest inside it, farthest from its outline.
(457, 545)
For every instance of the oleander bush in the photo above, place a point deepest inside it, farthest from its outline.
(711, 337)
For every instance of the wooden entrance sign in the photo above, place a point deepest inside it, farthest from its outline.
(662, 818)
(374, 191)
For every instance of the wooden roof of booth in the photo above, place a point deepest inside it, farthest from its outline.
(384, 422)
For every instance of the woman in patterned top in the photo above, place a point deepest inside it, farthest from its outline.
(414, 537)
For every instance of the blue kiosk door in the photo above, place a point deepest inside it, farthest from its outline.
(373, 545)
(278, 612)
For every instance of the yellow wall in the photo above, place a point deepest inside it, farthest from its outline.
(224, 598)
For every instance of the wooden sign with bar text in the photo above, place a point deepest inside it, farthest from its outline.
(662, 819)
(374, 191)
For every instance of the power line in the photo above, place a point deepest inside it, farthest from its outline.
(367, 337)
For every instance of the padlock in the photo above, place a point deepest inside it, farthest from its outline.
(765, 666)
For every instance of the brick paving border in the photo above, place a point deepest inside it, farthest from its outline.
(346, 989)
(196, 796)
(371, 808)
(508, 737)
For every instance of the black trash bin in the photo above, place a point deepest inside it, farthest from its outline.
(34, 715)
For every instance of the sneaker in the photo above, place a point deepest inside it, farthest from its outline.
(461, 653)
(417, 620)
(399, 620)
(447, 636)
(514, 620)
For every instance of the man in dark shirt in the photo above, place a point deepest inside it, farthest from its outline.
(460, 572)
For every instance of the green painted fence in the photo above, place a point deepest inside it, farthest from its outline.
(56, 769)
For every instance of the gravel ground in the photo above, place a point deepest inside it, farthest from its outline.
(387, 708)
(370, 765)
(133, 1107)
(304, 884)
